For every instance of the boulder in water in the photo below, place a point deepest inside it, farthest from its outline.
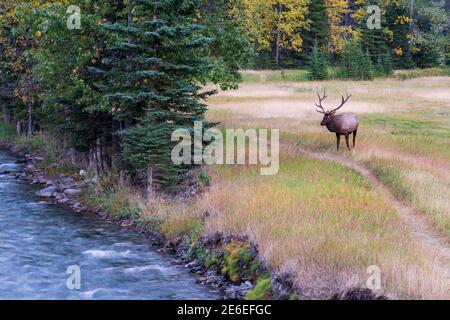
(47, 192)
(63, 201)
(71, 192)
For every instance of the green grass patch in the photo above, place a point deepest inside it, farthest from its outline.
(417, 73)
(288, 75)
(7, 132)
(147, 221)
(391, 175)
(423, 132)
(429, 122)
(118, 200)
(296, 75)
(261, 291)
(251, 78)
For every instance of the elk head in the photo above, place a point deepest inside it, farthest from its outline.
(328, 115)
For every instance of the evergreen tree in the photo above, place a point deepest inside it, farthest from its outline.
(398, 23)
(385, 65)
(62, 57)
(154, 67)
(147, 147)
(373, 40)
(355, 64)
(317, 65)
(319, 27)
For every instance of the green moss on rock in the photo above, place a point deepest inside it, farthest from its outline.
(261, 291)
(211, 261)
(293, 296)
(237, 259)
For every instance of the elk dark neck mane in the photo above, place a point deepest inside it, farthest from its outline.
(331, 126)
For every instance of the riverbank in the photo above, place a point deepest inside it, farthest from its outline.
(41, 243)
(229, 263)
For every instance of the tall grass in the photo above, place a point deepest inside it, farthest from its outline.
(415, 184)
(41, 142)
(274, 76)
(322, 222)
(172, 218)
(417, 73)
(393, 176)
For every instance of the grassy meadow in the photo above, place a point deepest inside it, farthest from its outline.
(323, 221)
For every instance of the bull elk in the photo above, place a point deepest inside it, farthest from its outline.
(343, 124)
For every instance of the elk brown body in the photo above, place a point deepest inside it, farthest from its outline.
(343, 124)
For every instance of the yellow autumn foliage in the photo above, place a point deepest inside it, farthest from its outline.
(275, 21)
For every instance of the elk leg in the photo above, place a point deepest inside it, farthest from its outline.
(346, 141)
(338, 139)
(354, 138)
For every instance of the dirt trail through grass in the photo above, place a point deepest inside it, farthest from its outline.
(429, 239)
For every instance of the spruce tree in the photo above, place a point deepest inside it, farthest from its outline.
(153, 74)
(373, 41)
(147, 146)
(319, 26)
(386, 66)
(317, 64)
(355, 64)
(375, 44)
(396, 19)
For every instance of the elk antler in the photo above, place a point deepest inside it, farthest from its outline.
(344, 101)
(320, 101)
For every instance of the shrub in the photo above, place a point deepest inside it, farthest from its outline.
(355, 64)
(7, 132)
(261, 291)
(385, 65)
(204, 179)
(317, 64)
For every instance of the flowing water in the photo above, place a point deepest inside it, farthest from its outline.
(39, 242)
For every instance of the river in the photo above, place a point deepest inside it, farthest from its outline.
(40, 243)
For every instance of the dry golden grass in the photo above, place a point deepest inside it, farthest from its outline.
(321, 220)
(174, 218)
(296, 100)
(419, 183)
(432, 196)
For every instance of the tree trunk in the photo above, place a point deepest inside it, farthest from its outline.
(30, 119)
(277, 45)
(98, 156)
(19, 128)
(150, 183)
(411, 9)
(6, 115)
(277, 48)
